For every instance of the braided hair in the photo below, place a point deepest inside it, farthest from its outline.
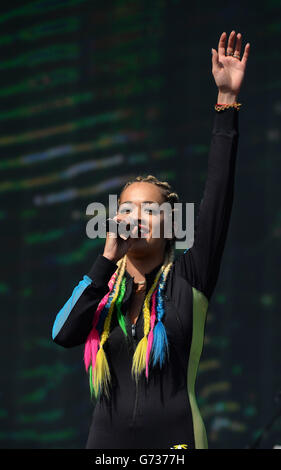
(153, 348)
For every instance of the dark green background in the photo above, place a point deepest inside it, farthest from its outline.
(93, 92)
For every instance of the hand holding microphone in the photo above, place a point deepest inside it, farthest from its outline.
(121, 236)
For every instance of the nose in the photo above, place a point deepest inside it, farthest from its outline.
(136, 218)
(136, 214)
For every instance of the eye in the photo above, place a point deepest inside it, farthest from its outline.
(125, 210)
(149, 210)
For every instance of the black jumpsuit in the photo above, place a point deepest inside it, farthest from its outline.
(162, 413)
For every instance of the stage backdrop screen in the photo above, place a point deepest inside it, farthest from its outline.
(94, 93)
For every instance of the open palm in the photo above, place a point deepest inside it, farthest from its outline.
(227, 70)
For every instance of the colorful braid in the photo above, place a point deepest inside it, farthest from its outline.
(99, 329)
(120, 317)
(142, 353)
(139, 358)
(150, 336)
(160, 346)
(101, 374)
(93, 340)
(118, 303)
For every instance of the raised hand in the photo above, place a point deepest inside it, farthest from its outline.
(229, 70)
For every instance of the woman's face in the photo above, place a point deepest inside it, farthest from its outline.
(140, 202)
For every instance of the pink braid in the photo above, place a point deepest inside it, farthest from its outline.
(93, 340)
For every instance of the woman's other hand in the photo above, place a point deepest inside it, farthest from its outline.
(227, 70)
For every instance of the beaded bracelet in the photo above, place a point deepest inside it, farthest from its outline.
(221, 107)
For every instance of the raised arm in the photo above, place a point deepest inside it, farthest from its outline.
(200, 264)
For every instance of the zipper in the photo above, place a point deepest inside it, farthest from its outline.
(135, 346)
(133, 330)
(136, 397)
(134, 337)
(134, 333)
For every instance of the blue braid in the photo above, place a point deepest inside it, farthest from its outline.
(160, 341)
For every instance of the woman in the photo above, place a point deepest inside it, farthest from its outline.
(141, 314)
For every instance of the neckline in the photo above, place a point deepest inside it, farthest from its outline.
(129, 282)
(148, 276)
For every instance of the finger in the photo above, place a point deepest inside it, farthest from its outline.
(221, 45)
(125, 219)
(111, 235)
(231, 40)
(110, 227)
(128, 236)
(237, 50)
(246, 54)
(215, 58)
(127, 227)
(121, 235)
(134, 231)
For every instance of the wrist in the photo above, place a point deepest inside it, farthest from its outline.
(226, 98)
(110, 257)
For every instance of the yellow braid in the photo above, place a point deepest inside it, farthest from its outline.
(170, 261)
(101, 371)
(168, 265)
(139, 358)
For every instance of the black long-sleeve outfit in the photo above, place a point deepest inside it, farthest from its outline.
(163, 412)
